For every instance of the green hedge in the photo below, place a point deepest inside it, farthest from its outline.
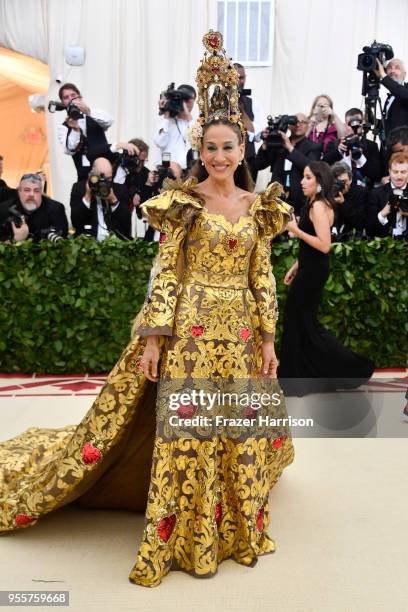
(67, 307)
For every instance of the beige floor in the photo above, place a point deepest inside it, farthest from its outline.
(339, 515)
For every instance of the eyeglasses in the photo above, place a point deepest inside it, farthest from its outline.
(302, 122)
(30, 175)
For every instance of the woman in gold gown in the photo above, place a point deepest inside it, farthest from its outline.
(208, 321)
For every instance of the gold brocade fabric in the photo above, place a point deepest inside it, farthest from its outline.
(212, 301)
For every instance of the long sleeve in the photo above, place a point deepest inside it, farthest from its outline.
(262, 282)
(170, 212)
(101, 117)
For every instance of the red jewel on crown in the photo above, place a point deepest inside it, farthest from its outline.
(165, 527)
(163, 237)
(90, 454)
(197, 330)
(259, 520)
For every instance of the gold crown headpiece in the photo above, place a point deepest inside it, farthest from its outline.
(217, 83)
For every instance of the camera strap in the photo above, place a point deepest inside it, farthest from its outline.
(81, 144)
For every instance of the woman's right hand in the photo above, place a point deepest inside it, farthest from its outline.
(150, 359)
(290, 274)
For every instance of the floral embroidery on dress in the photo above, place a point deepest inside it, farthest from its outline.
(259, 519)
(197, 330)
(24, 519)
(245, 334)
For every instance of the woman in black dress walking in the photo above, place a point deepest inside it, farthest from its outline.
(312, 359)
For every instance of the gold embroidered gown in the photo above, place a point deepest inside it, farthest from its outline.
(211, 301)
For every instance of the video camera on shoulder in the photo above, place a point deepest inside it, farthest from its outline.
(173, 101)
(399, 199)
(73, 111)
(367, 61)
(275, 125)
(100, 185)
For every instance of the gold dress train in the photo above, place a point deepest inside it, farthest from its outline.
(211, 301)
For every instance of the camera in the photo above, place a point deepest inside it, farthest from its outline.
(15, 217)
(338, 187)
(72, 110)
(399, 200)
(244, 92)
(51, 234)
(367, 61)
(163, 171)
(99, 185)
(174, 99)
(276, 125)
(129, 162)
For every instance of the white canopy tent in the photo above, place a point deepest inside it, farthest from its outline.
(135, 48)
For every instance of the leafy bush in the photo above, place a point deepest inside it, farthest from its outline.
(67, 307)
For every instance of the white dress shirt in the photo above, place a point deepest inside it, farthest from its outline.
(171, 137)
(101, 117)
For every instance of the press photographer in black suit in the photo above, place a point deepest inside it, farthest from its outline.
(31, 214)
(396, 104)
(351, 200)
(387, 210)
(361, 154)
(83, 129)
(250, 118)
(288, 161)
(100, 207)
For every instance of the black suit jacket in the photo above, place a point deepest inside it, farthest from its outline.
(352, 213)
(304, 152)
(95, 137)
(377, 199)
(398, 111)
(118, 222)
(371, 169)
(50, 215)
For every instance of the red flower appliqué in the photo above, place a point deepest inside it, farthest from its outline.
(232, 243)
(259, 519)
(165, 527)
(163, 237)
(90, 454)
(187, 411)
(249, 411)
(245, 334)
(218, 513)
(23, 519)
(277, 443)
(197, 330)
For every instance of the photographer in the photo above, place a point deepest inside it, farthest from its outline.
(31, 214)
(250, 116)
(396, 105)
(175, 107)
(6, 192)
(351, 200)
(359, 153)
(388, 204)
(287, 156)
(99, 207)
(82, 130)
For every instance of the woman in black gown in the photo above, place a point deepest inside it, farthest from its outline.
(312, 359)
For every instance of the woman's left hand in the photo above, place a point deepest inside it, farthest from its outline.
(292, 226)
(269, 360)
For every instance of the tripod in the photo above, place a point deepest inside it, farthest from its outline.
(370, 91)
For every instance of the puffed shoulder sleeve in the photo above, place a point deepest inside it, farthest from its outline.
(270, 212)
(271, 215)
(171, 212)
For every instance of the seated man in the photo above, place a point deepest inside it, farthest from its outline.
(288, 161)
(351, 199)
(100, 207)
(361, 155)
(388, 204)
(31, 214)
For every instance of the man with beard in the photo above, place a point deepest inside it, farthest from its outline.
(31, 214)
